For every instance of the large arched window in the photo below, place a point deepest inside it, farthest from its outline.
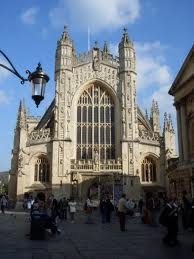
(148, 170)
(95, 124)
(41, 172)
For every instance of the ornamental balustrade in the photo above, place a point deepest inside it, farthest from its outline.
(39, 136)
(85, 165)
(148, 136)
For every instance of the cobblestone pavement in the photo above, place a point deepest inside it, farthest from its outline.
(81, 240)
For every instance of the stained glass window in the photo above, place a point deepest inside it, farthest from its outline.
(95, 124)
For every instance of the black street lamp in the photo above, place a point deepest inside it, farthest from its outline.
(37, 78)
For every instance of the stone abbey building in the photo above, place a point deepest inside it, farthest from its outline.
(93, 139)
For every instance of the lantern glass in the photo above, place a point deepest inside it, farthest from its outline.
(38, 80)
(38, 87)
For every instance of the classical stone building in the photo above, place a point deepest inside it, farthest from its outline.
(181, 170)
(93, 139)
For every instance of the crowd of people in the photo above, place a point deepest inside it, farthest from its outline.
(152, 210)
(166, 212)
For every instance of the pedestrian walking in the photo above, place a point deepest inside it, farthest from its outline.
(191, 221)
(185, 210)
(109, 210)
(140, 206)
(103, 210)
(3, 203)
(152, 206)
(63, 206)
(88, 210)
(54, 210)
(169, 219)
(122, 209)
(72, 209)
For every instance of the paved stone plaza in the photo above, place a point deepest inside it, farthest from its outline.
(88, 241)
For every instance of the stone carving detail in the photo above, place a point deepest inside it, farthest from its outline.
(150, 136)
(61, 146)
(21, 161)
(86, 72)
(42, 135)
(103, 165)
(68, 114)
(62, 109)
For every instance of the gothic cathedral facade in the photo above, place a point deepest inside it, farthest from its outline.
(93, 139)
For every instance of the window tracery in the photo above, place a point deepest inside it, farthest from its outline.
(95, 124)
(42, 170)
(148, 170)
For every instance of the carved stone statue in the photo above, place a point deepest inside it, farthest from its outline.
(96, 158)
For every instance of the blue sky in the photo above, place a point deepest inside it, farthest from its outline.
(162, 32)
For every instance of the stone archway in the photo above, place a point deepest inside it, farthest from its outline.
(96, 187)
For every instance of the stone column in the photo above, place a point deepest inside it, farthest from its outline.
(184, 132)
(179, 133)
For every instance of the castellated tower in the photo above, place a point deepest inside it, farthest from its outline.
(155, 117)
(127, 75)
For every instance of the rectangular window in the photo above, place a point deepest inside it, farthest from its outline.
(96, 135)
(78, 135)
(90, 114)
(96, 114)
(84, 114)
(78, 114)
(101, 135)
(101, 114)
(89, 135)
(84, 135)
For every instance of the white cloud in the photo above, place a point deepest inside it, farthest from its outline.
(154, 76)
(151, 65)
(3, 97)
(29, 15)
(99, 15)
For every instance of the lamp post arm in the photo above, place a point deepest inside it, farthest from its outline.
(13, 70)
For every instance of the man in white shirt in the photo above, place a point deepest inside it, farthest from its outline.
(89, 208)
(72, 209)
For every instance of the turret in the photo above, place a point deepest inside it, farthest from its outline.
(155, 117)
(126, 53)
(169, 136)
(127, 76)
(65, 52)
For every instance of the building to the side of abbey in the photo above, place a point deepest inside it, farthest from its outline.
(93, 139)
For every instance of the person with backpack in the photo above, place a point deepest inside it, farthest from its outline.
(169, 219)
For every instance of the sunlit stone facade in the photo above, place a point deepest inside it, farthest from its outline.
(93, 139)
